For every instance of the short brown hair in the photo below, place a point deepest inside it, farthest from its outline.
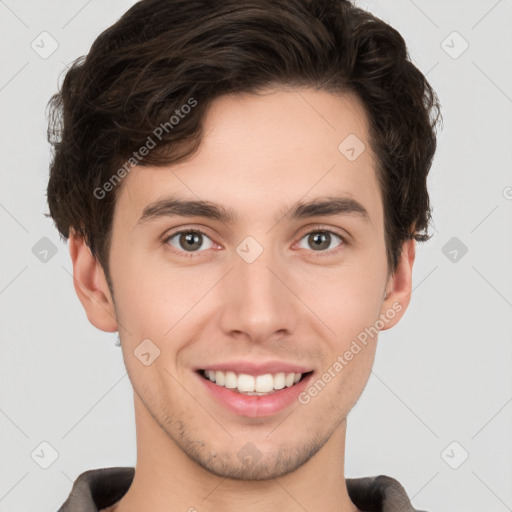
(161, 53)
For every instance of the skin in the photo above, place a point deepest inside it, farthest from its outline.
(259, 155)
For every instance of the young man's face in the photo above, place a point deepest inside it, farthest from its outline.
(214, 301)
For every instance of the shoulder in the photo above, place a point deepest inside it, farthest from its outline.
(380, 493)
(96, 489)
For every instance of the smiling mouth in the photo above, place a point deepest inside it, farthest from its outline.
(258, 385)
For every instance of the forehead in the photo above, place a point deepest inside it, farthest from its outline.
(261, 151)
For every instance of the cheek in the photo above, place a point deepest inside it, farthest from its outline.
(154, 302)
(137, 309)
(350, 310)
(348, 299)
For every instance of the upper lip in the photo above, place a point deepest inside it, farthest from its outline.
(252, 368)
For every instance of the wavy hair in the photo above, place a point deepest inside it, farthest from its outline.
(161, 53)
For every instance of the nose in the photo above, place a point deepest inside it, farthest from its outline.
(259, 303)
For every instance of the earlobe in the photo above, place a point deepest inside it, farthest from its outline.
(91, 285)
(399, 286)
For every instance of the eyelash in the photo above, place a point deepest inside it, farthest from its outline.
(318, 229)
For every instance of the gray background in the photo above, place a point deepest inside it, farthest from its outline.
(441, 385)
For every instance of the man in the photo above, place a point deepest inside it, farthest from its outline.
(242, 185)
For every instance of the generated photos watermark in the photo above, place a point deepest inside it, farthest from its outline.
(355, 348)
(151, 142)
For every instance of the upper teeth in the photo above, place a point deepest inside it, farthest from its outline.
(248, 383)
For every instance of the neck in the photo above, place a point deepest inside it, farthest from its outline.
(167, 479)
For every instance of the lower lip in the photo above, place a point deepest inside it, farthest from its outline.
(255, 406)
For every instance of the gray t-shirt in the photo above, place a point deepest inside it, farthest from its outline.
(97, 489)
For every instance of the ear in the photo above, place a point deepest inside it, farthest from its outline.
(91, 285)
(399, 286)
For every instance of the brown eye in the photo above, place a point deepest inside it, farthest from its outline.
(321, 240)
(188, 241)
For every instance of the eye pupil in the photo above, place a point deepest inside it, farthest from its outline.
(319, 239)
(191, 239)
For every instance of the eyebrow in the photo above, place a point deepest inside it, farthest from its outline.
(321, 206)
